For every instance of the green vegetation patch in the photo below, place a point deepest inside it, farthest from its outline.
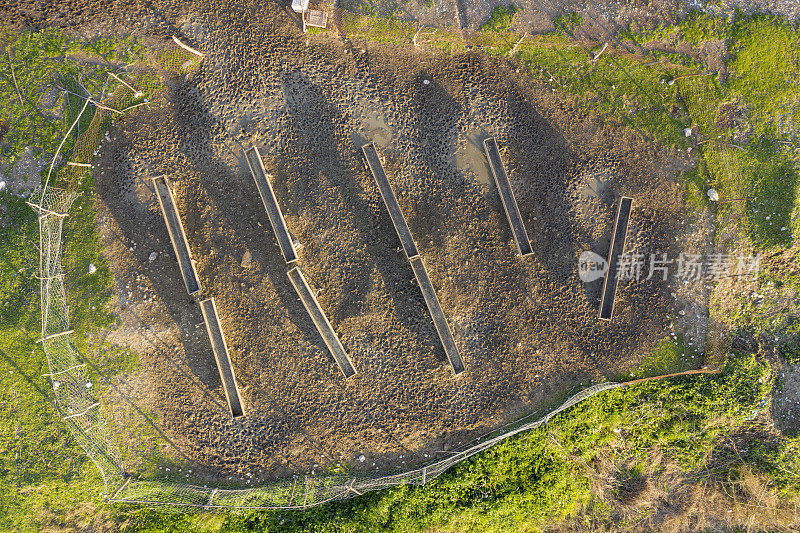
(522, 483)
(536, 478)
(765, 73)
(500, 20)
(758, 187)
(695, 28)
(747, 126)
(672, 354)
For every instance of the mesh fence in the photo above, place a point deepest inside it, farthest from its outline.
(79, 406)
(77, 403)
(307, 491)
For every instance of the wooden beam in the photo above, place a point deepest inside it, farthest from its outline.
(221, 355)
(274, 213)
(321, 322)
(390, 200)
(439, 320)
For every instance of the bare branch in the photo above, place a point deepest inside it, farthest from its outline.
(16, 86)
(187, 47)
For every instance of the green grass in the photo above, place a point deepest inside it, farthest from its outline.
(749, 120)
(695, 28)
(764, 173)
(765, 73)
(500, 20)
(45, 478)
(671, 355)
(567, 24)
(380, 30)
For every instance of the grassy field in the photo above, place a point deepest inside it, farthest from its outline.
(584, 466)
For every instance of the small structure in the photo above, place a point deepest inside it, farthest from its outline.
(315, 18)
(177, 235)
(412, 254)
(220, 348)
(311, 17)
(618, 235)
(507, 197)
(321, 322)
(274, 213)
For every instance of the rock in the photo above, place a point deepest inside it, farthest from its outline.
(247, 259)
(361, 458)
(92, 268)
(713, 195)
(687, 132)
(153, 256)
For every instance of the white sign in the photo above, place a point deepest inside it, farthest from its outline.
(591, 266)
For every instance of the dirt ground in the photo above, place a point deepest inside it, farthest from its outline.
(526, 328)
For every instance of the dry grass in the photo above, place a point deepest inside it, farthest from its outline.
(656, 494)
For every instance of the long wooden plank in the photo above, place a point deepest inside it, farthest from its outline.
(274, 213)
(435, 310)
(507, 197)
(618, 237)
(390, 200)
(177, 234)
(220, 347)
(321, 322)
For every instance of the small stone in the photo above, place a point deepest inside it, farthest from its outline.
(426, 82)
(153, 256)
(361, 458)
(92, 268)
(247, 259)
(713, 195)
(687, 132)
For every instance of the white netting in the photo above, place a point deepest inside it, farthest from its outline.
(79, 406)
(75, 396)
(307, 491)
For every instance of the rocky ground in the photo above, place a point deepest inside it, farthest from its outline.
(600, 17)
(526, 328)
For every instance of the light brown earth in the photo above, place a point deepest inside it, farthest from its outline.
(526, 328)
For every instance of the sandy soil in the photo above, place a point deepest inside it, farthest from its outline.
(526, 329)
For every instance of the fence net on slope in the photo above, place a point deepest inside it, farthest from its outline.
(79, 405)
(75, 399)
